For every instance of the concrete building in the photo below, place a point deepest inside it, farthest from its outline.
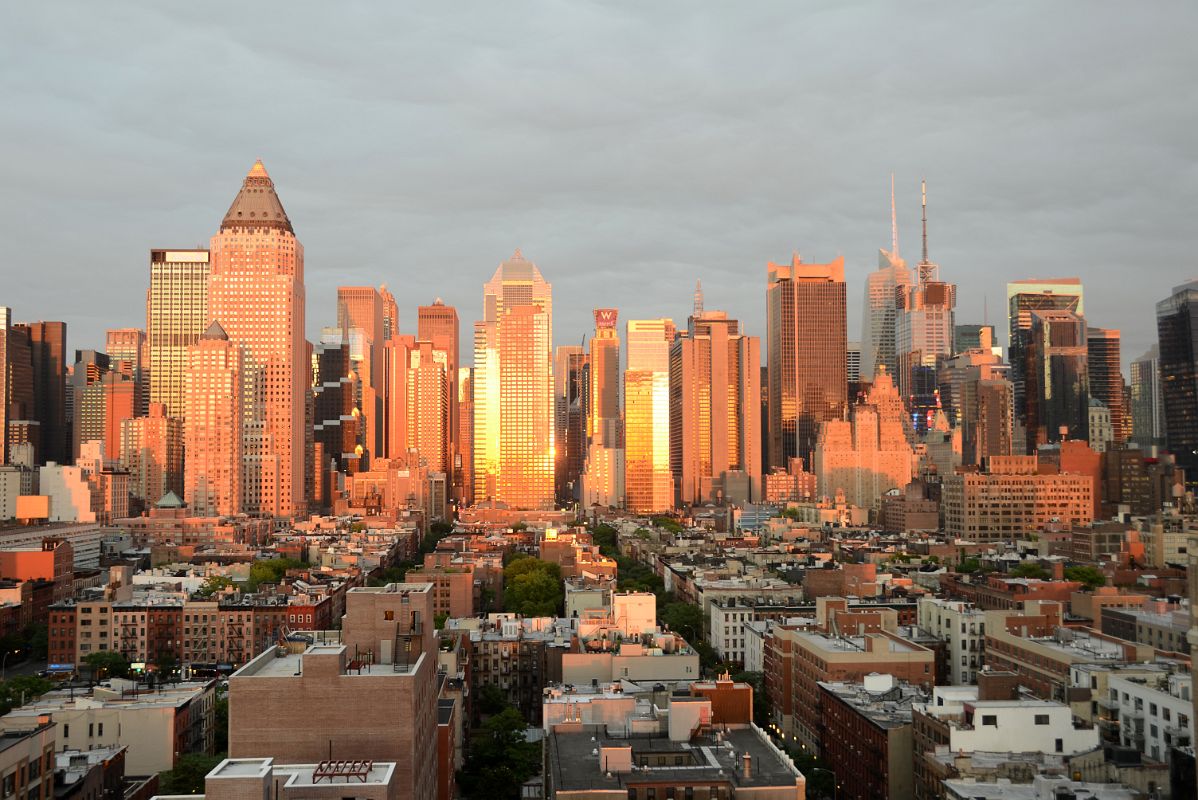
(513, 389)
(256, 291)
(129, 355)
(1106, 377)
(48, 352)
(69, 493)
(176, 315)
(214, 425)
(1023, 298)
(979, 399)
(1147, 408)
(243, 778)
(1155, 713)
(870, 455)
(648, 480)
(1056, 378)
(156, 727)
(439, 325)
(27, 759)
(807, 340)
(152, 453)
(963, 627)
(374, 691)
(715, 413)
(1013, 497)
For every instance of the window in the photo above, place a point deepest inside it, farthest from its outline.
(1041, 719)
(990, 719)
(1060, 745)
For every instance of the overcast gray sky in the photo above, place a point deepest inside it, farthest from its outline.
(628, 149)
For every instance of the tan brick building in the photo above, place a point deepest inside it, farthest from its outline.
(1013, 498)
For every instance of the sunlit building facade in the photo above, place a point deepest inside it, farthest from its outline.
(1056, 378)
(176, 315)
(603, 481)
(648, 480)
(360, 318)
(212, 426)
(807, 341)
(1105, 367)
(1024, 297)
(571, 396)
(256, 291)
(152, 453)
(882, 287)
(513, 389)
(439, 325)
(129, 355)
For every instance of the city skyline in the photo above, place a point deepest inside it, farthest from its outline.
(1056, 195)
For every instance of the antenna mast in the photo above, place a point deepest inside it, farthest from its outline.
(893, 221)
(698, 299)
(923, 187)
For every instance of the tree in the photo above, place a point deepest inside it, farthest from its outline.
(491, 699)
(532, 587)
(667, 524)
(969, 565)
(107, 664)
(762, 708)
(439, 620)
(391, 574)
(1091, 577)
(22, 689)
(188, 775)
(221, 721)
(684, 619)
(501, 758)
(270, 571)
(1029, 569)
(213, 584)
(608, 540)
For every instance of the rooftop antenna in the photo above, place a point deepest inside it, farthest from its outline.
(923, 188)
(698, 299)
(893, 221)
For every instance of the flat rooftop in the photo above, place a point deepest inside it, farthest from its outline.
(575, 760)
(853, 644)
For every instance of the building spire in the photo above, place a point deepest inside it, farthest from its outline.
(923, 187)
(893, 221)
(698, 299)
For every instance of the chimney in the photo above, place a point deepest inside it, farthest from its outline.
(1058, 570)
(748, 762)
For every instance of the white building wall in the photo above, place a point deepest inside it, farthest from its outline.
(1153, 719)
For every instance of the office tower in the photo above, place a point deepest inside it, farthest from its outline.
(152, 453)
(882, 288)
(974, 337)
(870, 455)
(852, 363)
(128, 354)
(337, 437)
(465, 434)
(87, 400)
(571, 395)
(213, 408)
(976, 397)
(1147, 403)
(176, 315)
(603, 479)
(256, 291)
(1106, 377)
(428, 388)
(648, 479)
(1024, 297)
(715, 400)
(17, 404)
(48, 352)
(439, 325)
(1056, 378)
(807, 340)
(924, 329)
(513, 388)
(360, 318)
(1177, 336)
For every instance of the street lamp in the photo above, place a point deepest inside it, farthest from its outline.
(830, 772)
(4, 664)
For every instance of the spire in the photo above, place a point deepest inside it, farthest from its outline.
(923, 186)
(257, 205)
(698, 299)
(517, 256)
(893, 221)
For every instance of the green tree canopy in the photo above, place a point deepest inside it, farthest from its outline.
(270, 571)
(1029, 569)
(684, 619)
(188, 775)
(107, 664)
(1092, 577)
(213, 584)
(607, 538)
(21, 689)
(500, 759)
(667, 524)
(532, 587)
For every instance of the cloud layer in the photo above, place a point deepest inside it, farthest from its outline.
(629, 149)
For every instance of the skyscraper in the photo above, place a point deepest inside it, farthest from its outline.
(1106, 377)
(152, 453)
(465, 433)
(256, 291)
(1024, 297)
(428, 388)
(513, 388)
(807, 341)
(128, 354)
(337, 439)
(603, 482)
(976, 396)
(648, 480)
(571, 395)
(715, 402)
(176, 315)
(16, 388)
(360, 316)
(1147, 404)
(439, 325)
(1177, 332)
(212, 424)
(48, 352)
(924, 331)
(882, 287)
(1056, 378)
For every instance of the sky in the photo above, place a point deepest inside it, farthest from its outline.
(629, 149)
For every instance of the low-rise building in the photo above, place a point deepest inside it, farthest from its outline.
(27, 758)
(242, 778)
(963, 627)
(1155, 713)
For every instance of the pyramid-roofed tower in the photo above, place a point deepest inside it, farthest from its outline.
(257, 205)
